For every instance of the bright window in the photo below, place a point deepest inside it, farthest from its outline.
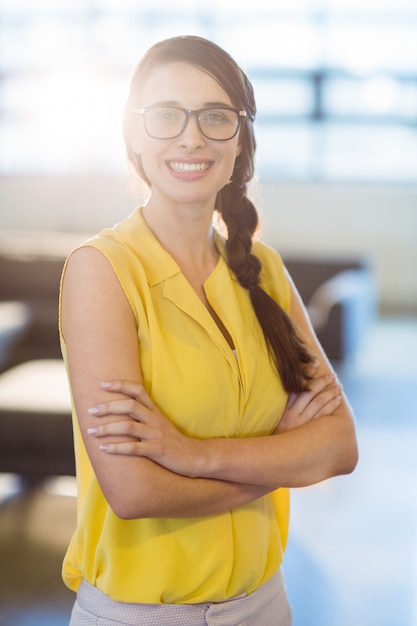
(336, 81)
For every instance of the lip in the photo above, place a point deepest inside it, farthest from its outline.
(189, 169)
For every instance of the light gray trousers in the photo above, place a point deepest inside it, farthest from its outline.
(267, 606)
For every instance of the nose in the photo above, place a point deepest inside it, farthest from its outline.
(191, 136)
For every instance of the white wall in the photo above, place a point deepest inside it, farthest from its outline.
(319, 219)
(380, 222)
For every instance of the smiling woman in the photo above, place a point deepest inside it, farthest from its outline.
(200, 391)
(182, 126)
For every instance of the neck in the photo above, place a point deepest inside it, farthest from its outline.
(186, 232)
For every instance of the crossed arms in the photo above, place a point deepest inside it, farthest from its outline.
(145, 466)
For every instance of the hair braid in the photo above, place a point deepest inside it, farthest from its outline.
(288, 352)
(241, 219)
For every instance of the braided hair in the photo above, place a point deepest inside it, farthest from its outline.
(289, 354)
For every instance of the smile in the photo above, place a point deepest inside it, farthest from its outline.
(180, 166)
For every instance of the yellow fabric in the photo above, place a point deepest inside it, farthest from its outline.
(202, 386)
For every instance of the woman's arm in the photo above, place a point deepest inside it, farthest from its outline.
(314, 440)
(100, 334)
(317, 449)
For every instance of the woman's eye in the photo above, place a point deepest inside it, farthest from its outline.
(167, 115)
(215, 117)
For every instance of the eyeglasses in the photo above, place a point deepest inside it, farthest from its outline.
(219, 123)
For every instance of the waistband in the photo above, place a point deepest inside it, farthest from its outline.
(236, 610)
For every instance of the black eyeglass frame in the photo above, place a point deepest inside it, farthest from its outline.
(192, 113)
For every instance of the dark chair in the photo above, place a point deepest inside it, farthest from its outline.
(35, 411)
(35, 421)
(341, 299)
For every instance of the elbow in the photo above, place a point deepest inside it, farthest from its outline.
(125, 511)
(347, 466)
(122, 507)
(133, 494)
(353, 459)
(135, 506)
(347, 455)
(131, 509)
(348, 459)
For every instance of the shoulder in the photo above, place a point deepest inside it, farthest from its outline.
(267, 254)
(86, 263)
(113, 255)
(92, 297)
(88, 276)
(95, 274)
(117, 242)
(121, 241)
(134, 253)
(92, 252)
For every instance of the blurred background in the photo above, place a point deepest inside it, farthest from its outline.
(336, 185)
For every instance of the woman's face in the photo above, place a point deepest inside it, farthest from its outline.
(189, 168)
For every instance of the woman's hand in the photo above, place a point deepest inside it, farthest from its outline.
(148, 432)
(322, 398)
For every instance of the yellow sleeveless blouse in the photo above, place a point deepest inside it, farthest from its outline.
(205, 388)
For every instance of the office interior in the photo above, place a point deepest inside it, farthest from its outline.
(336, 187)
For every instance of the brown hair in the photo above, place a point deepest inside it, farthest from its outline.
(288, 352)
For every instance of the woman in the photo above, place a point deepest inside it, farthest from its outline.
(200, 392)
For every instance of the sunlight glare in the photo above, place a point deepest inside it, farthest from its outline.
(77, 118)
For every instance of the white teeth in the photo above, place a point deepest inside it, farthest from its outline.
(188, 167)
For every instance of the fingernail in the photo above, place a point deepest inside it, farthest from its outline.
(92, 431)
(93, 410)
(105, 385)
(104, 447)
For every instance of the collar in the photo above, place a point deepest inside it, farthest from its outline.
(157, 262)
